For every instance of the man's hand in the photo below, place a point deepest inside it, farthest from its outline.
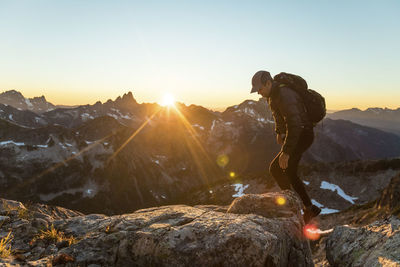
(280, 138)
(283, 160)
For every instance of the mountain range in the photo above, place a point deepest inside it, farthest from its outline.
(120, 155)
(381, 118)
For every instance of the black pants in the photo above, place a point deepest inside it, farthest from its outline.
(287, 178)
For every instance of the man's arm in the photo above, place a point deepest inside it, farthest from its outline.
(280, 125)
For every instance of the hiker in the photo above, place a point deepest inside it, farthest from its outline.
(294, 132)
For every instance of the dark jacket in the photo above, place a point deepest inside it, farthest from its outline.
(290, 115)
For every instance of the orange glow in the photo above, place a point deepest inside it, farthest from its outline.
(194, 147)
(132, 136)
(168, 100)
(280, 200)
(311, 232)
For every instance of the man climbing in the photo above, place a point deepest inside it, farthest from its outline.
(294, 132)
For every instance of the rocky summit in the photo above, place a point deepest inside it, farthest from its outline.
(177, 235)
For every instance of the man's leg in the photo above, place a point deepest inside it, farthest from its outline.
(296, 182)
(305, 141)
(278, 174)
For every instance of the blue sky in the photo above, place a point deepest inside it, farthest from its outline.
(202, 52)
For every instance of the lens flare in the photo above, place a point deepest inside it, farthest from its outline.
(222, 160)
(232, 174)
(195, 146)
(311, 232)
(280, 200)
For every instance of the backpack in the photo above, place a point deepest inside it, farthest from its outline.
(314, 102)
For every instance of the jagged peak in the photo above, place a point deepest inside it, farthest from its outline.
(38, 98)
(129, 97)
(126, 99)
(12, 93)
(374, 109)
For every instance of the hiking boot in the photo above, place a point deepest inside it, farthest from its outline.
(310, 213)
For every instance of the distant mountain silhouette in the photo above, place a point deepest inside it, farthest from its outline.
(384, 119)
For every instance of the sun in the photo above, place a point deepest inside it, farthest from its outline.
(168, 100)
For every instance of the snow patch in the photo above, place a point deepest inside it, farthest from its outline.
(316, 203)
(333, 188)
(127, 117)
(323, 210)
(3, 143)
(198, 126)
(306, 182)
(113, 115)
(28, 103)
(86, 116)
(42, 146)
(328, 211)
(62, 145)
(249, 111)
(239, 189)
(213, 124)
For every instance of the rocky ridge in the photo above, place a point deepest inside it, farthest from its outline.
(17, 100)
(271, 235)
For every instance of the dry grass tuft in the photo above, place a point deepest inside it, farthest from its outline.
(52, 235)
(5, 246)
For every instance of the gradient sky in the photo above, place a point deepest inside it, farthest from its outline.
(202, 52)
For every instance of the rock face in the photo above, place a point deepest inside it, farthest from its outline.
(176, 235)
(390, 197)
(376, 244)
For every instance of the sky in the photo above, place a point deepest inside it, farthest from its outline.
(201, 52)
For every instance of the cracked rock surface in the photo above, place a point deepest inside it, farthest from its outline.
(177, 235)
(376, 244)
